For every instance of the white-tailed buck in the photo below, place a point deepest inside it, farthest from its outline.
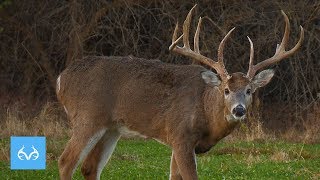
(187, 107)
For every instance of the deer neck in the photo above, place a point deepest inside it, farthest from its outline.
(216, 114)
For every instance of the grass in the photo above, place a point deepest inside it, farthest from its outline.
(140, 159)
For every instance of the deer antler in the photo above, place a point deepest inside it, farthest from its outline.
(280, 53)
(195, 55)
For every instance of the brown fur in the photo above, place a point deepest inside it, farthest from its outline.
(167, 102)
(237, 81)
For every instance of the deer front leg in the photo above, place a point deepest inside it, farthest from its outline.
(183, 164)
(174, 170)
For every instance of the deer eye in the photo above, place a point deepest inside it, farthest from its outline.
(248, 91)
(226, 91)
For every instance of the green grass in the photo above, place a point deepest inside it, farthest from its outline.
(139, 159)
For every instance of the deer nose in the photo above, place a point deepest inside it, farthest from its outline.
(239, 111)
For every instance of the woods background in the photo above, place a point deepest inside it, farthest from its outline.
(38, 39)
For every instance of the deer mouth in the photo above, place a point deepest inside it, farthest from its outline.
(233, 118)
(239, 118)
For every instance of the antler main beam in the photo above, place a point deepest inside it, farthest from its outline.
(195, 54)
(280, 53)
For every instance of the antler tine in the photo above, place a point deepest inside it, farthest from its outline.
(280, 53)
(286, 34)
(196, 37)
(186, 28)
(222, 43)
(297, 46)
(185, 35)
(175, 41)
(220, 52)
(251, 53)
(175, 33)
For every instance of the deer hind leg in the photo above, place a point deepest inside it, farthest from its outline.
(80, 144)
(99, 155)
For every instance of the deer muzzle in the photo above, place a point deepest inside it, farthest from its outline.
(239, 111)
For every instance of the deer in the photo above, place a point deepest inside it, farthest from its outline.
(189, 108)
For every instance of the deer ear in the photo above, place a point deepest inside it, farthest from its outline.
(263, 78)
(210, 78)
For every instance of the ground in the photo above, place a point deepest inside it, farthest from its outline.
(141, 159)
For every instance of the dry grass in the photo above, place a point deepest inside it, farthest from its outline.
(280, 156)
(48, 122)
(261, 133)
(4, 151)
(252, 159)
